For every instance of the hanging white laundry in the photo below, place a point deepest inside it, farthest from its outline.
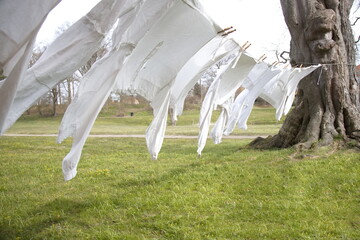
(19, 23)
(19, 26)
(206, 111)
(210, 100)
(82, 112)
(155, 133)
(231, 79)
(280, 91)
(218, 129)
(65, 55)
(195, 67)
(234, 77)
(254, 83)
(152, 67)
(100, 80)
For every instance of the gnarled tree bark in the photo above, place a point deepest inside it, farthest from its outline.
(327, 105)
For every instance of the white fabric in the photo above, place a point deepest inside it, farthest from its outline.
(234, 77)
(65, 55)
(280, 91)
(82, 113)
(221, 90)
(100, 80)
(152, 67)
(19, 24)
(211, 96)
(218, 129)
(254, 83)
(194, 68)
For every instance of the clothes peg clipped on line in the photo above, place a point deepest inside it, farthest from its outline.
(226, 29)
(262, 58)
(227, 33)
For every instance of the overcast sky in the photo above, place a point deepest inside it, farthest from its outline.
(257, 21)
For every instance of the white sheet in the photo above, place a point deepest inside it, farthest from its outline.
(280, 91)
(218, 129)
(223, 89)
(195, 67)
(19, 24)
(254, 83)
(65, 55)
(100, 80)
(151, 69)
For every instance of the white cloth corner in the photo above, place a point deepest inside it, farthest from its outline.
(280, 91)
(160, 55)
(65, 55)
(100, 80)
(222, 89)
(218, 129)
(254, 83)
(19, 24)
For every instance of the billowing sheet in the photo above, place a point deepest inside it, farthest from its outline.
(222, 89)
(210, 100)
(19, 23)
(218, 129)
(254, 83)
(280, 91)
(194, 68)
(152, 67)
(65, 55)
(19, 26)
(100, 80)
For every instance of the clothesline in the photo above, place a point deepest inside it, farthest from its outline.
(161, 49)
(325, 64)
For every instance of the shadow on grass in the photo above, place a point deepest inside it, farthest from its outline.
(51, 214)
(146, 181)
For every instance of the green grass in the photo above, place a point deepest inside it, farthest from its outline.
(230, 193)
(261, 122)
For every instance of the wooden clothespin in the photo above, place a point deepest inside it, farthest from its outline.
(262, 58)
(245, 46)
(274, 64)
(227, 33)
(226, 29)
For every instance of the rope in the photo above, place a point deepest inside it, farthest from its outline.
(327, 64)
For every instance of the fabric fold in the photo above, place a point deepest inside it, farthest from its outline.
(65, 55)
(218, 129)
(280, 91)
(18, 30)
(194, 68)
(155, 62)
(97, 84)
(229, 78)
(254, 83)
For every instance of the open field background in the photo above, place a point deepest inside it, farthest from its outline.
(231, 192)
(261, 122)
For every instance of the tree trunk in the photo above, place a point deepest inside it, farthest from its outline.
(69, 90)
(54, 94)
(327, 105)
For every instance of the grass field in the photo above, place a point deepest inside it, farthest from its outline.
(231, 192)
(261, 122)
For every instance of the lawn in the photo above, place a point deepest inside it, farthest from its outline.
(261, 122)
(232, 192)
